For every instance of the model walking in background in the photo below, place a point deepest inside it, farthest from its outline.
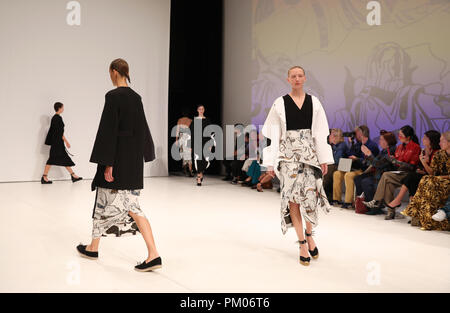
(56, 139)
(122, 144)
(299, 154)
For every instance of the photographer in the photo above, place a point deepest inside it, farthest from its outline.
(362, 135)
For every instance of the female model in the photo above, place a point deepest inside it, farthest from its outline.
(58, 154)
(201, 161)
(122, 144)
(299, 154)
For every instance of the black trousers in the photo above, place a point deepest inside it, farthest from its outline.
(411, 181)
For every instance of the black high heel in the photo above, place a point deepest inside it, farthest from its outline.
(304, 261)
(74, 180)
(45, 182)
(201, 180)
(314, 253)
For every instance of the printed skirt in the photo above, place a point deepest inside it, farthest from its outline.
(110, 216)
(300, 178)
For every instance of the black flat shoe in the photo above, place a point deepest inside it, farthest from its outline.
(150, 266)
(45, 182)
(304, 261)
(314, 253)
(86, 254)
(74, 180)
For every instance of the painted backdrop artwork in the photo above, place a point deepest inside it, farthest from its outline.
(382, 76)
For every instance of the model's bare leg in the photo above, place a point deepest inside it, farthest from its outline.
(93, 247)
(398, 199)
(46, 170)
(296, 218)
(71, 172)
(146, 232)
(311, 243)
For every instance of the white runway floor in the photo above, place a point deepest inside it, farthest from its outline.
(214, 238)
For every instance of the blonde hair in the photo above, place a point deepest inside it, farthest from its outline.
(296, 66)
(447, 135)
(339, 134)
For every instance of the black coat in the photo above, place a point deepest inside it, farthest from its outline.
(58, 155)
(123, 141)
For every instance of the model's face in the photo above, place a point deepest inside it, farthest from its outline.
(443, 143)
(383, 143)
(201, 110)
(296, 78)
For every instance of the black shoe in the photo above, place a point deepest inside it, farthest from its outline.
(346, 205)
(74, 180)
(234, 182)
(374, 211)
(150, 266)
(314, 253)
(87, 254)
(201, 180)
(45, 182)
(304, 261)
(227, 178)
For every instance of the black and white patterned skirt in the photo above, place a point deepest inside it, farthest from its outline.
(300, 178)
(111, 216)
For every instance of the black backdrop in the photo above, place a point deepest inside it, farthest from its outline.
(195, 70)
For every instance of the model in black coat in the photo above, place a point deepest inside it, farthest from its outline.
(123, 141)
(122, 145)
(56, 140)
(200, 161)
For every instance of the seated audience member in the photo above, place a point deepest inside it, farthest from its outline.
(443, 213)
(251, 166)
(366, 183)
(238, 132)
(433, 191)
(406, 159)
(410, 183)
(340, 150)
(363, 139)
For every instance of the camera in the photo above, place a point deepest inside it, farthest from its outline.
(349, 134)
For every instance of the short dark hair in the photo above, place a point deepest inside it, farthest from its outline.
(365, 130)
(57, 106)
(390, 139)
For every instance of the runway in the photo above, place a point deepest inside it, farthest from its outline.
(214, 238)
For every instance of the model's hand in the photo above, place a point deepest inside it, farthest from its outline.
(324, 168)
(108, 174)
(353, 157)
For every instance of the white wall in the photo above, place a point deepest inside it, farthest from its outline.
(44, 60)
(237, 82)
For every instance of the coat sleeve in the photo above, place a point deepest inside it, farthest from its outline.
(271, 130)
(324, 151)
(149, 147)
(105, 145)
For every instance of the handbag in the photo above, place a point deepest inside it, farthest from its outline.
(360, 208)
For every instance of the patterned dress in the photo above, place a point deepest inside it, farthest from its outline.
(300, 178)
(111, 216)
(432, 193)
